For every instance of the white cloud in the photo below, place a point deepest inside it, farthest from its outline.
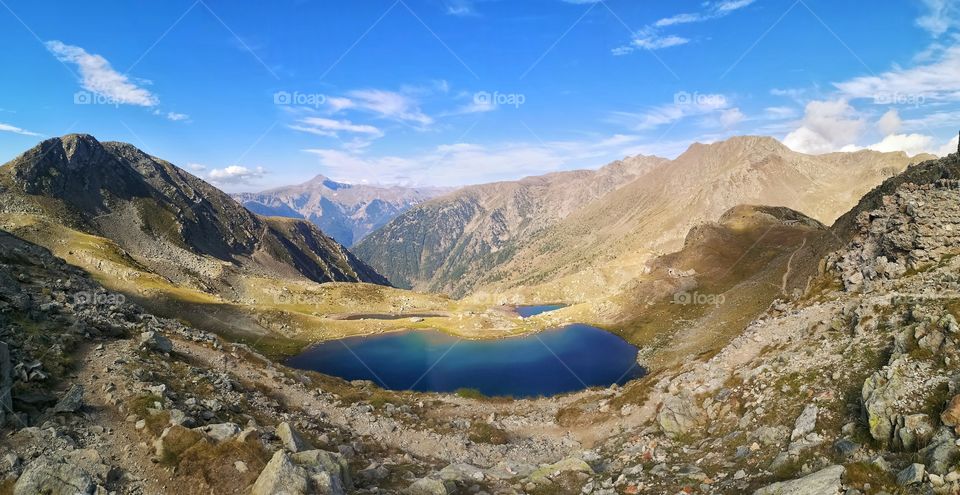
(912, 144)
(935, 81)
(330, 127)
(890, 122)
(197, 167)
(17, 130)
(651, 38)
(942, 16)
(176, 117)
(779, 113)
(731, 117)
(97, 76)
(828, 125)
(949, 148)
(235, 174)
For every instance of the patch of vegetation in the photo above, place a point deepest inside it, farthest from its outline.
(469, 393)
(214, 463)
(6, 486)
(155, 422)
(481, 432)
(859, 475)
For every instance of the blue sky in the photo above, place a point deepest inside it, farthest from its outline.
(444, 92)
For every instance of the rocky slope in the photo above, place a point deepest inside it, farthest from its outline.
(445, 245)
(345, 212)
(175, 224)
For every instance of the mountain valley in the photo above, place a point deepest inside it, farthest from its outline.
(796, 316)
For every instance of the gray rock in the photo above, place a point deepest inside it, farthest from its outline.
(678, 415)
(912, 475)
(220, 432)
(942, 452)
(71, 401)
(463, 473)
(281, 476)
(823, 482)
(806, 422)
(54, 476)
(309, 472)
(426, 486)
(291, 438)
(846, 447)
(153, 341)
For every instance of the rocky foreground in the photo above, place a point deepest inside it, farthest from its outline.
(850, 387)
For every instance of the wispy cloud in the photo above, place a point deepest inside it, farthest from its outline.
(652, 38)
(716, 108)
(17, 130)
(385, 104)
(331, 127)
(177, 117)
(941, 16)
(97, 76)
(471, 163)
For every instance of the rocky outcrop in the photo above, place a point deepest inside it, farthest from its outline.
(308, 472)
(823, 482)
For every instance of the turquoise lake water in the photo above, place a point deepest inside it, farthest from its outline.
(551, 362)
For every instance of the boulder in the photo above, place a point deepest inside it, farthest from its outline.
(678, 415)
(220, 432)
(312, 471)
(291, 438)
(281, 475)
(153, 341)
(823, 482)
(54, 476)
(950, 416)
(71, 401)
(913, 432)
(426, 486)
(942, 452)
(464, 473)
(329, 472)
(806, 422)
(912, 475)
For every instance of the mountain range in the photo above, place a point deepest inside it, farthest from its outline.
(592, 241)
(345, 212)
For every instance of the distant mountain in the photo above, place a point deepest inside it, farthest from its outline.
(346, 212)
(167, 220)
(451, 242)
(601, 241)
